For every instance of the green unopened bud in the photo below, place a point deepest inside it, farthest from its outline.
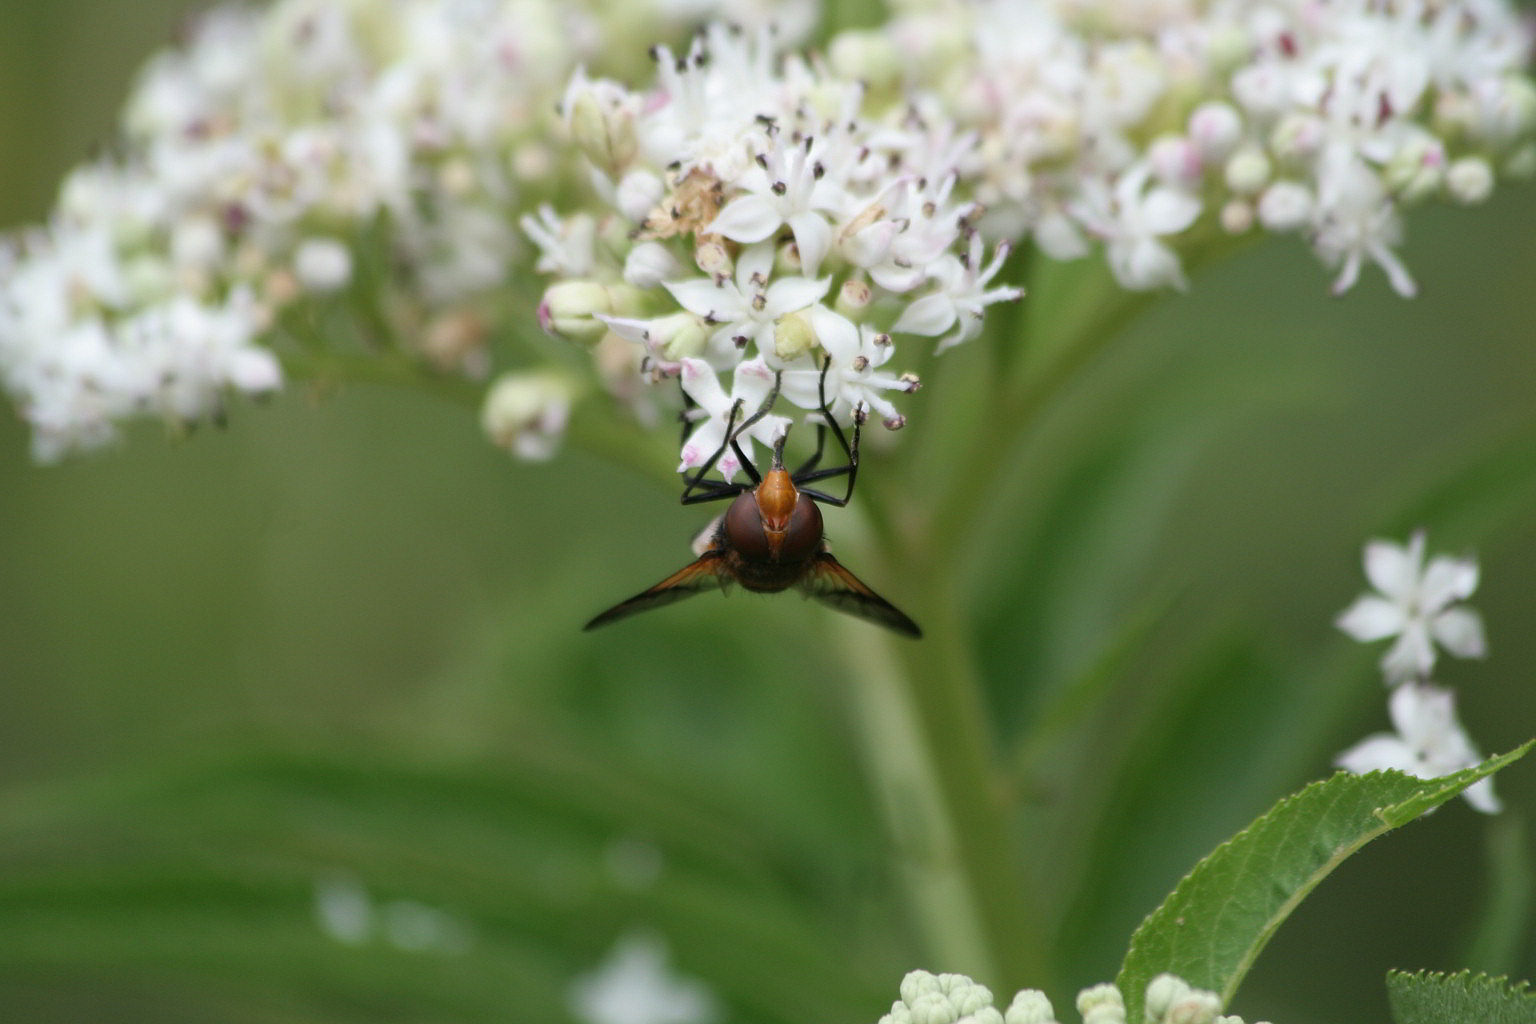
(678, 336)
(1415, 171)
(569, 309)
(793, 335)
(1030, 1007)
(526, 413)
(602, 125)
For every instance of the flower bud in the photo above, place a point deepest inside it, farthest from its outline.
(570, 309)
(1416, 170)
(601, 122)
(793, 335)
(650, 263)
(1101, 1004)
(1215, 129)
(1030, 1006)
(1247, 171)
(526, 413)
(1162, 992)
(1285, 206)
(1236, 216)
(917, 983)
(1198, 1007)
(1469, 180)
(322, 264)
(932, 1008)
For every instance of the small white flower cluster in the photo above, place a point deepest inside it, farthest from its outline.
(763, 221)
(955, 999)
(255, 161)
(1417, 603)
(1153, 128)
(376, 154)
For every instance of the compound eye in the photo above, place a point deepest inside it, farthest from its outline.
(744, 528)
(803, 537)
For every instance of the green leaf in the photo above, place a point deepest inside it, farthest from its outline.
(1462, 998)
(1215, 922)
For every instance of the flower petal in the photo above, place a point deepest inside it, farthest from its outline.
(930, 315)
(1412, 657)
(1446, 580)
(1392, 568)
(1371, 618)
(1378, 753)
(1460, 631)
(813, 237)
(750, 218)
(1480, 795)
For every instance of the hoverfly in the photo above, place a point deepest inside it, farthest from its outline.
(771, 538)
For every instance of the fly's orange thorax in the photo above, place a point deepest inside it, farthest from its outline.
(776, 498)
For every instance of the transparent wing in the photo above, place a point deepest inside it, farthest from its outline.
(831, 583)
(693, 578)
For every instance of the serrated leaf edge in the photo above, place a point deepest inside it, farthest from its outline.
(1388, 815)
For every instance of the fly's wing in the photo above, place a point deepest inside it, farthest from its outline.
(693, 578)
(831, 583)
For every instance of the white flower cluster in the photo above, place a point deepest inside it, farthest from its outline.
(1417, 603)
(1154, 128)
(376, 153)
(763, 222)
(955, 999)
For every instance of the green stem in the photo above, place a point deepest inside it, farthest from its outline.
(923, 725)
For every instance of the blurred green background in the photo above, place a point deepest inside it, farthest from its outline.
(342, 635)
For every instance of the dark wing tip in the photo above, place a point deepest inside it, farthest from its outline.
(692, 578)
(832, 584)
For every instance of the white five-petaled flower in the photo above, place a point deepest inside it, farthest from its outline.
(788, 186)
(1417, 604)
(960, 298)
(744, 310)
(1429, 742)
(851, 385)
(726, 412)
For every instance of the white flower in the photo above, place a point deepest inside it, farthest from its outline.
(1356, 221)
(1131, 216)
(852, 381)
(526, 413)
(634, 985)
(1429, 742)
(960, 298)
(1417, 604)
(726, 412)
(789, 185)
(744, 309)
